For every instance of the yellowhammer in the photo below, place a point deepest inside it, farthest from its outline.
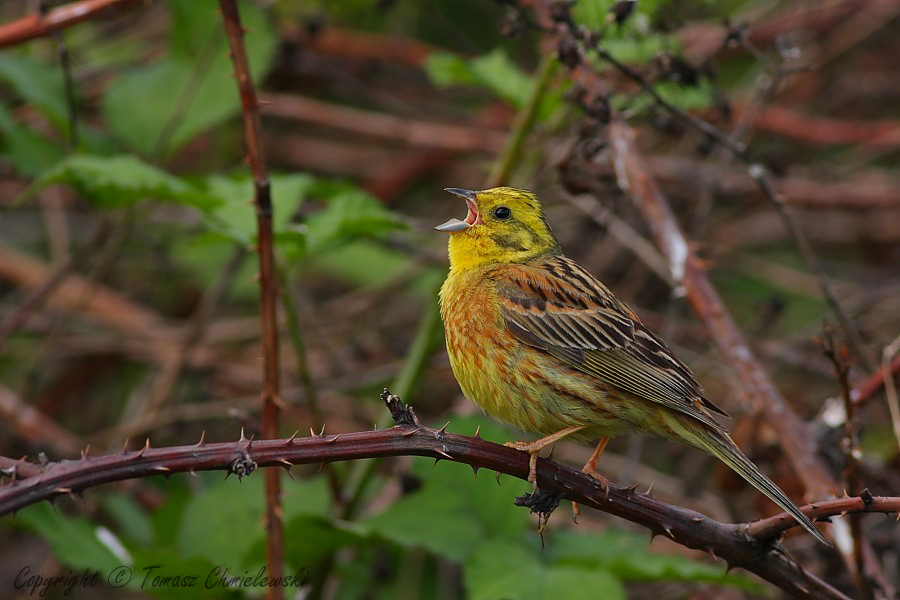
(538, 342)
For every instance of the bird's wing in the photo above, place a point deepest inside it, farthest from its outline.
(560, 308)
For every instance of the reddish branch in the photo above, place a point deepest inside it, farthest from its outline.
(362, 46)
(761, 555)
(38, 25)
(390, 127)
(792, 432)
(268, 284)
(864, 390)
(822, 130)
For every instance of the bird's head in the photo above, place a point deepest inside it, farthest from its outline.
(503, 225)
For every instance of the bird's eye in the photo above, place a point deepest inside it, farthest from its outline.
(502, 212)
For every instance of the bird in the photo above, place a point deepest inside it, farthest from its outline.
(536, 341)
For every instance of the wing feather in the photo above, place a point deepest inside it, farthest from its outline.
(561, 309)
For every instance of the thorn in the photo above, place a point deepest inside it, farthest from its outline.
(728, 567)
(335, 438)
(478, 432)
(475, 470)
(443, 452)
(193, 473)
(653, 535)
(411, 433)
(286, 464)
(321, 433)
(146, 447)
(86, 452)
(498, 477)
(162, 469)
(712, 553)
(649, 491)
(125, 447)
(697, 519)
(631, 488)
(243, 438)
(668, 531)
(442, 430)
(63, 490)
(202, 438)
(290, 440)
(312, 432)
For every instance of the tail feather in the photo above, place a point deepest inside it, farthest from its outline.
(721, 446)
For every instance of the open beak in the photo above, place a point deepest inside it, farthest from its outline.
(473, 217)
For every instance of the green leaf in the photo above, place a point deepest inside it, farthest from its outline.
(453, 512)
(114, 181)
(591, 13)
(132, 520)
(235, 215)
(309, 538)
(37, 83)
(446, 69)
(164, 573)
(351, 212)
(224, 522)
(493, 70)
(362, 262)
(76, 541)
(684, 97)
(500, 570)
(156, 109)
(628, 557)
(29, 152)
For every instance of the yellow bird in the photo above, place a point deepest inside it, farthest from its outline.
(538, 342)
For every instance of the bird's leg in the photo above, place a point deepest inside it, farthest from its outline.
(534, 448)
(590, 468)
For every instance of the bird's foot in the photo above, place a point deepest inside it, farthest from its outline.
(534, 448)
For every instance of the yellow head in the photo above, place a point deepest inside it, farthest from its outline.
(503, 225)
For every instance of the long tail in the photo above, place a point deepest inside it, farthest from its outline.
(722, 447)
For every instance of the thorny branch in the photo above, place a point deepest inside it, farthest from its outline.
(735, 543)
(271, 398)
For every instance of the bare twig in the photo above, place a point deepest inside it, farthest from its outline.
(837, 354)
(889, 365)
(268, 285)
(458, 138)
(35, 426)
(863, 391)
(59, 18)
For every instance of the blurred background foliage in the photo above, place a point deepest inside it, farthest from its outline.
(136, 222)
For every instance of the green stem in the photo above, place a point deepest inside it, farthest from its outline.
(427, 336)
(289, 304)
(522, 124)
